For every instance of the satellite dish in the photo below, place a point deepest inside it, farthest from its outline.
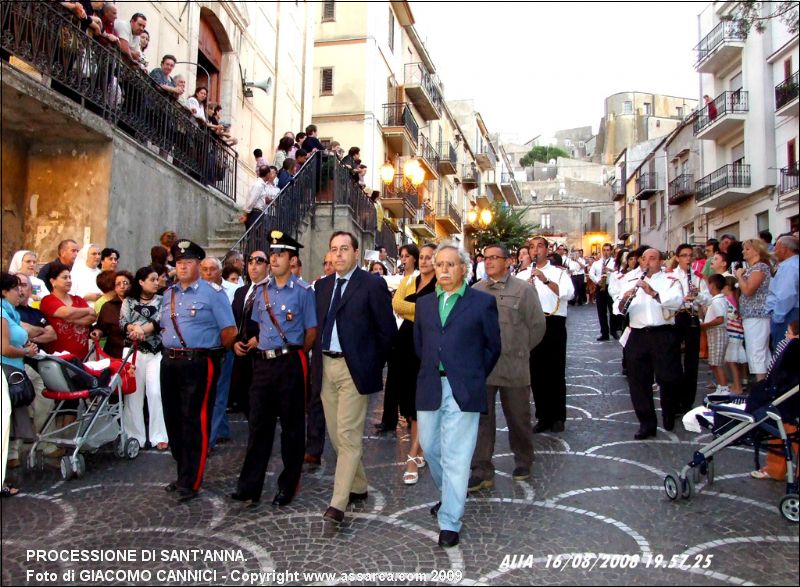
(265, 85)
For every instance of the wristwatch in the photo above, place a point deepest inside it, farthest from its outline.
(546, 282)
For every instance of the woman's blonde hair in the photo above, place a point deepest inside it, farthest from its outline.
(761, 248)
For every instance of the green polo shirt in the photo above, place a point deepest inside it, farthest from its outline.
(446, 304)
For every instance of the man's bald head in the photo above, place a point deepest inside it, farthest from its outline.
(651, 261)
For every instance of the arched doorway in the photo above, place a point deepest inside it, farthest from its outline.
(212, 43)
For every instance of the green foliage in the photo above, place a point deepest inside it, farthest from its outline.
(542, 155)
(507, 227)
(748, 16)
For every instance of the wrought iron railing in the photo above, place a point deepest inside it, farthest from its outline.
(618, 188)
(624, 228)
(787, 90)
(646, 183)
(489, 151)
(350, 194)
(46, 37)
(736, 175)
(289, 208)
(399, 114)
(448, 152)
(681, 188)
(445, 208)
(470, 176)
(726, 103)
(425, 215)
(723, 32)
(416, 74)
(597, 227)
(427, 152)
(386, 238)
(789, 177)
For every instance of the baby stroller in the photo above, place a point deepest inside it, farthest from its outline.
(771, 403)
(98, 389)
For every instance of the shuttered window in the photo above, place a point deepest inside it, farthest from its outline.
(328, 11)
(326, 82)
(391, 31)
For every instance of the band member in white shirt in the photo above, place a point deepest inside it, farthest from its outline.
(580, 291)
(599, 274)
(687, 322)
(548, 361)
(652, 347)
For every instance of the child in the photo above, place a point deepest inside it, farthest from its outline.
(260, 161)
(714, 327)
(735, 355)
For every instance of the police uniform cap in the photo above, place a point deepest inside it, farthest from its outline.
(278, 242)
(186, 249)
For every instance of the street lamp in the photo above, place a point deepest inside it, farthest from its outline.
(479, 219)
(413, 177)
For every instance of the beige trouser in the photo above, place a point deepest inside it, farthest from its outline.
(345, 413)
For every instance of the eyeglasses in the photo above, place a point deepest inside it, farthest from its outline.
(257, 260)
(123, 284)
(494, 258)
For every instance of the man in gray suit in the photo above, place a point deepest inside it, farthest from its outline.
(522, 327)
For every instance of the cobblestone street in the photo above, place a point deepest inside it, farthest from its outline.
(594, 491)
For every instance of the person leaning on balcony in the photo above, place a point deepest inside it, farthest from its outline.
(312, 143)
(129, 36)
(197, 104)
(87, 14)
(108, 35)
(144, 42)
(161, 75)
(285, 147)
(261, 193)
(287, 172)
(712, 108)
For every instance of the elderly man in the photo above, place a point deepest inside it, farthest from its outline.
(652, 347)
(548, 361)
(782, 299)
(67, 253)
(457, 338)
(522, 328)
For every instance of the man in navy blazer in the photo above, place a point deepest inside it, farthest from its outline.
(457, 338)
(354, 316)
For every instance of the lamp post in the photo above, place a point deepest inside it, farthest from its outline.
(413, 176)
(198, 66)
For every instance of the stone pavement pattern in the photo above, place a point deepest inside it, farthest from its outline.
(594, 490)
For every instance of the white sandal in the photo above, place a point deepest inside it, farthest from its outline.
(411, 477)
(420, 461)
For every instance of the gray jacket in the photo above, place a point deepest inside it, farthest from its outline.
(522, 327)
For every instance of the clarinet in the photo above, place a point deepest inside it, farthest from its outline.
(629, 301)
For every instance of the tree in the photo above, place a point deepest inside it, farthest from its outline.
(542, 155)
(507, 227)
(747, 15)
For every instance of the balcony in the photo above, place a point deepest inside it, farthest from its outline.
(725, 186)
(400, 199)
(422, 223)
(400, 129)
(786, 101)
(723, 116)
(618, 189)
(511, 191)
(447, 216)
(470, 177)
(681, 189)
(493, 184)
(719, 47)
(624, 229)
(788, 194)
(487, 158)
(448, 164)
(484, 197)
(595, 228)
(423, 90)
(646, 185)
(428, 157)
(386, 237)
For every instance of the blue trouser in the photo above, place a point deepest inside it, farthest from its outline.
(778, 329)
(448, 438)
(219, 424)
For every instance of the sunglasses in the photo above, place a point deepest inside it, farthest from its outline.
(257, 260)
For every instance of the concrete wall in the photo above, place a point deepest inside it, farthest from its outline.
(14, 178)
(315, 237)
(148, 196)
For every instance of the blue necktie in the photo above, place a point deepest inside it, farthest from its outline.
(331, 319)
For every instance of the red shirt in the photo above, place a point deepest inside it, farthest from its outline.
(72, 338)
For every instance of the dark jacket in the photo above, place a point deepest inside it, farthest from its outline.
(365, 324)
(468, 345)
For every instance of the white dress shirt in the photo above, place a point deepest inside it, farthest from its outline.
(596, 272)
(552, 304)
(703, 296)
(259, 192)
(646, 311)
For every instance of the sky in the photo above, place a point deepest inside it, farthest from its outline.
(534, 68)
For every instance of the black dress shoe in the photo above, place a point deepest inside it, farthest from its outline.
(243, 497)
(381, 429)
(448, 538)
(602, 338)
(643, 434)
(283, 498)
(185, 495)
(358, 497)
(333, 515)
(541, 427)
(558, 426)
(171, 487)
(668, 421)
(435, 509)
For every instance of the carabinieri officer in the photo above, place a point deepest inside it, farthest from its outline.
(198, 326)
(286, 313)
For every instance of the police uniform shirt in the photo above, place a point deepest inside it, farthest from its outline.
(645, 311)
(552, 304)
(203, 311)
(703, 295)
(295, 310)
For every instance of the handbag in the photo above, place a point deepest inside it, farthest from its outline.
(20, 387)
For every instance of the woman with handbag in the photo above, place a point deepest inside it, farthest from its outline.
(14, 347)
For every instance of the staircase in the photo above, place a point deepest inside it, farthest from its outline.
(224, 238)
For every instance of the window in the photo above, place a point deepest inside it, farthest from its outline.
(762, 221)
(391, 31)
(567, 143)
(627, 107)
(688, 233)
(545, 221)
(648, 109)
(328, 11)
(653, 219)
(791, 154)
(737, 154)
(326, 82)
(736, 82)
(787, 68)
(679, 111)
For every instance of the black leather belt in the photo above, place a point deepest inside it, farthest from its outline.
(276, 353)
(654, 328)
(333, 355)
(190, 354)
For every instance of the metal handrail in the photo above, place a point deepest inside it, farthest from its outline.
(46, 37)
(787, 90)
(399, 114)
(416, 74)
(733, 175)
(789, 177)
(725, 103)
(682, 185)
(446, 148)
(646, 182)
(428, 153)
(724, 31)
